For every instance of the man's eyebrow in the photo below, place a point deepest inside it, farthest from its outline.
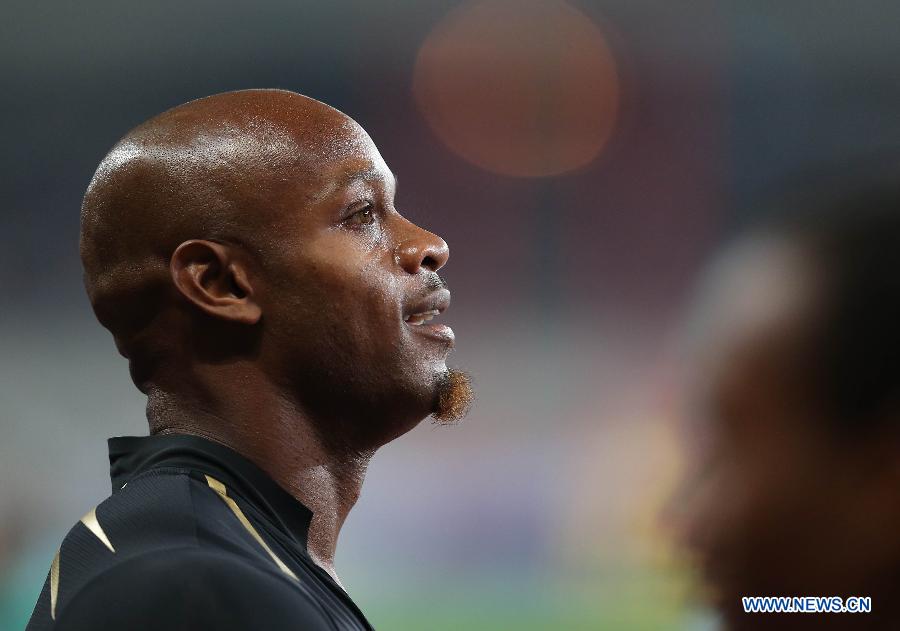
(370, 174)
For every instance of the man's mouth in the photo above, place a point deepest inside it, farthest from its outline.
(416, 319)
(427, 307)
(424, 310)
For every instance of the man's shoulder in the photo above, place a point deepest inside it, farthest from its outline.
(165, 544)
(160, 510)
(152, 511)
(191, 588)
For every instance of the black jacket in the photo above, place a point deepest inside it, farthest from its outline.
(194, 536)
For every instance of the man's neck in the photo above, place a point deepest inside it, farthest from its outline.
(257, 422)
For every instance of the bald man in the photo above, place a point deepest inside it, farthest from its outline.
(245, 252)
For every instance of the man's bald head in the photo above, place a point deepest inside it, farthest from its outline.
(254, 235)
(216, 168)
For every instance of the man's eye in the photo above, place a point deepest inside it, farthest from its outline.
(362, 217)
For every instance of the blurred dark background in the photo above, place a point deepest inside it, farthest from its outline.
(582, 159)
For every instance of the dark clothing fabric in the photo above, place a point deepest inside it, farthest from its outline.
(194, 536)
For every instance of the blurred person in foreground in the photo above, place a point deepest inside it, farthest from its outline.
(245, 252)
(795, 413)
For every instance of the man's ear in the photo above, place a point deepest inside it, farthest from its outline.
(214, 280)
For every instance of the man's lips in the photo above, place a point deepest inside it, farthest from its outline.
(426, 308)
(418, 313)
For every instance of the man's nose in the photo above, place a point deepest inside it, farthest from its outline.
(421, 249)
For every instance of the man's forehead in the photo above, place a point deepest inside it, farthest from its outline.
(359, 168)
(329, 156)
(757, 304)
(758, 284)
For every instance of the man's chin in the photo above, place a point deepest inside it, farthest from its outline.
(453, 397)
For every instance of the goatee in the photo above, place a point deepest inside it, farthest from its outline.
(454, 397)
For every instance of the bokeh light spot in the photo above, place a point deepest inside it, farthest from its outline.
(519, 87)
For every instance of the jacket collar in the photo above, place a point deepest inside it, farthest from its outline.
(132, 455)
